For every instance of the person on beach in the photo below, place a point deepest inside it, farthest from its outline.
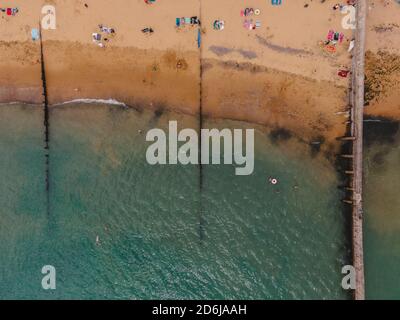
(106, 29)
(148, 30)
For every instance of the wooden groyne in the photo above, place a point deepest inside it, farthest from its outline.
(201, 208)
(46, 123)
(357, 117)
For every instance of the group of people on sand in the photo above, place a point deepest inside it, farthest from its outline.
(249, 23)
(9, 11)
(341, 6)
(103, 36)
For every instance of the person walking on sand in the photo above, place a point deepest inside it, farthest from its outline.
(148, 30)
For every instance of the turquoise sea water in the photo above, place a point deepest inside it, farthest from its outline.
(160, 235)
(382, 211)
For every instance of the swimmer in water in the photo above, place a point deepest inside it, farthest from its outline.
(273, 181)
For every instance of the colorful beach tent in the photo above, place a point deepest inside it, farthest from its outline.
(10, 11)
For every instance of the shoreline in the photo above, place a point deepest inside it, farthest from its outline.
(264, 77)
(278, 136)
(225, 102)
(255, 93)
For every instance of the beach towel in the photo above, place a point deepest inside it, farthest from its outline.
(178, 22)
(96, 37)
(276, 2)
(194, 20)
(343, 73)
(35, 34)
(248, 24)
(219, 25)
(331, 34)
(330, 48)
(336, 36)
(199, 38)
(248, 11)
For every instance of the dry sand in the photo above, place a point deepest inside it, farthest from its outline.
(276, 76)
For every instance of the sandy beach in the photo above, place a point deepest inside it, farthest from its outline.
(277, 75)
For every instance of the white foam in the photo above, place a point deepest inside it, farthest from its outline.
(92, 101)
(15, 102)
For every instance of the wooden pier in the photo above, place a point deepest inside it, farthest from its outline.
(357, 117)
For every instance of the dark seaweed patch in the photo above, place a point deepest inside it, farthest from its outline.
(158, 112)
(246, 66)
(380, 68)
(315, 145)
(136, 106)
(379, 158)
(380, 130)
(279, 135)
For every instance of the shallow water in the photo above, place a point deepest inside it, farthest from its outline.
(382, 212)
(160, 235)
